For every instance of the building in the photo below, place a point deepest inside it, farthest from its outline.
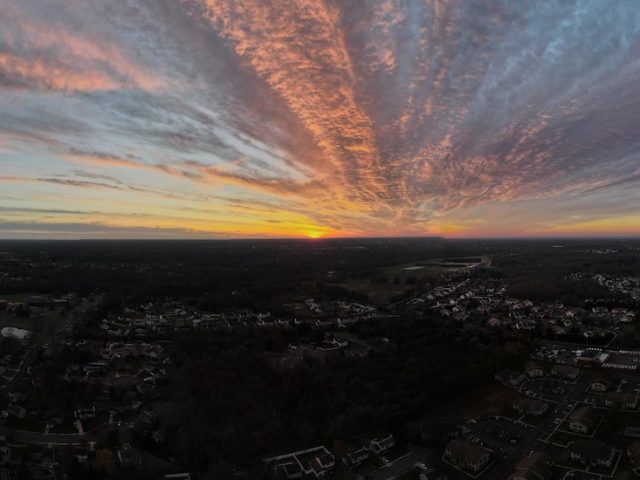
(592, 357)
(17, 411)
(85, 413)
(535, 466)
(5, 451)
(356, 457)
(466, 455)
(510, 377)
(584, 420)
(129, 457)
(565, 371)
(592, 453)
(633, 452)
(600, 385)
(624, 401)
(533, 369)
(380, 446)
(311, 463)
(530, 406)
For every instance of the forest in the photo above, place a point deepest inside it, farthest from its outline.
(230, 404)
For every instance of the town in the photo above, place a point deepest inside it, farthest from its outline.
(481, 371)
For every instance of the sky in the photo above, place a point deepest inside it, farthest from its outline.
(319, 118)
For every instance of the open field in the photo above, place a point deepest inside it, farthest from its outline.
(390, 282)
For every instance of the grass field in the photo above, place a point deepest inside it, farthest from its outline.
(13, 321)
(42, 325)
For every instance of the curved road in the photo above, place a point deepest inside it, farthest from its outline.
(24, 436)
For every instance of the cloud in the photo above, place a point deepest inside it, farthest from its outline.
(378, 117)
(39, 54)
(20, 230)
(107, 159)
(108, 183)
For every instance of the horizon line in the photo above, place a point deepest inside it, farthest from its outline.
(320, 239)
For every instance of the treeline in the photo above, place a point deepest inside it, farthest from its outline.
(553, 288)
(222, 274)
(212, 273)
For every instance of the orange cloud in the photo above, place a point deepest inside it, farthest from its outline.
(47, 75)
(300, 51)
(43, 56)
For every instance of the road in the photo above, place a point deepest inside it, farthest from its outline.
(401, 465)
(38, 438)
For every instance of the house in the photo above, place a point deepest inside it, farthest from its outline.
(55, 416)
(356, 457)
(5, 451)
(333, 343)
(17, 411)
(535, 466)
(565, 371)
(467, 455)
(628, 317)
(510, 377)
(129, 457)
(316, 462)
(633, 452)
(534, 370)
(600, 385)
(530, 406)
(381, 445)
(85, 413)
(592, 453)
(494, 322)
(81, 454)
(584, 420)
(625, 401)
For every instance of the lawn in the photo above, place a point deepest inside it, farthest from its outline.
(535, 420)
(564, 438)
(613, 425)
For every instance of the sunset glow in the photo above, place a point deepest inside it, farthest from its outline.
(314, 234)
(317, 118)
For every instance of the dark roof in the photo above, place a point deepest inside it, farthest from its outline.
(585, 415)
(531, 365)
(634, 451)
(465, 451)
(536, 466)
(591, 450)
(528, 404)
